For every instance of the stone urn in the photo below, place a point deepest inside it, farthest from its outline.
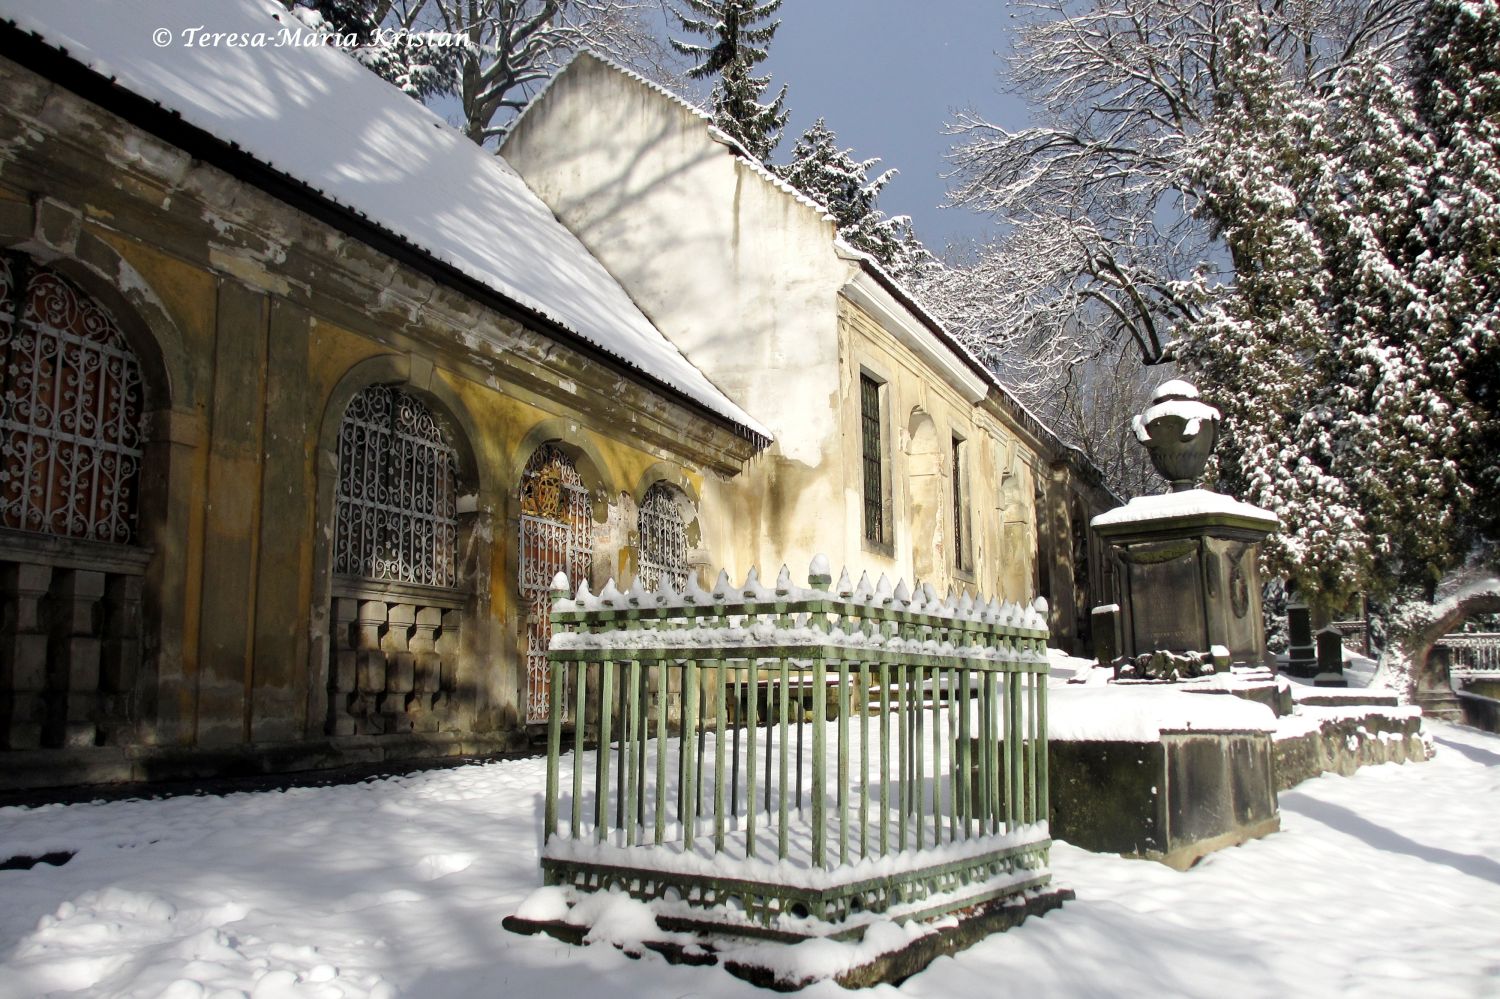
(1179, 432)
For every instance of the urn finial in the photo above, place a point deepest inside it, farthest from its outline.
(1179, 431)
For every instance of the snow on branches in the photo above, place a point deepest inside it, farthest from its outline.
(833, 178)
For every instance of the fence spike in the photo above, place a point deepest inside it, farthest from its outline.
(883, 589)
(638, 594)
(666, 594)
(722, 586)
(863, 592)
(902, 594)
(610, 596)
(783, 581)
(844, 587)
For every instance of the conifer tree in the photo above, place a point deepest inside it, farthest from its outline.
(842, 184)
(737, 44)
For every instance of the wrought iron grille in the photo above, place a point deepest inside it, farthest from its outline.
(869, 411)
(397, 519)
(663, 540)
(70, 410)
(554, 538)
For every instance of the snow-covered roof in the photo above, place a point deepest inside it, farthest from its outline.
(1182, 506)
(315, 115)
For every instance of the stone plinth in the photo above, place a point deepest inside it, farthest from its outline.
(1187, 573)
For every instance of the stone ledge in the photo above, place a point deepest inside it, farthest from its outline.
(1343, 745)
(112, 771)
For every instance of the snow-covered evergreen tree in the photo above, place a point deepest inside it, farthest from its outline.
(834, 178)
(737, 39)
(1354, 354)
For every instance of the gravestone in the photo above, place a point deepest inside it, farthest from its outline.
(1301, 655)
(1330, 659)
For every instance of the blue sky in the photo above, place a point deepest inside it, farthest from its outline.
(886, 74)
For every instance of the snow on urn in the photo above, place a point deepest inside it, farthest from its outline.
(1179, 431)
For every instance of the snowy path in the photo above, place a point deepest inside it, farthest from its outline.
(1386, 884)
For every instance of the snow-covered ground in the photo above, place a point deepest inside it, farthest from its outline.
(1384, 884)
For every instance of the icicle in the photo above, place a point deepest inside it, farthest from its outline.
(863, 592)
(843, 587)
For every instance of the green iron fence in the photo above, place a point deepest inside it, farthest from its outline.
(761, 756)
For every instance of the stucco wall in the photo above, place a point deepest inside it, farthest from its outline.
(747, 280)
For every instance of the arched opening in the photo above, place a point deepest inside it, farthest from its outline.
(397, 515)
(929, 502)
(662, 527)
(555, 537)
(399, 588)
(70, 410)
(72, 442)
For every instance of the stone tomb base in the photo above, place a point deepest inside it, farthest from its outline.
(1174, 800)
(771, 964)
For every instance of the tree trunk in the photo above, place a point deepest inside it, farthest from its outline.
(1405, 662)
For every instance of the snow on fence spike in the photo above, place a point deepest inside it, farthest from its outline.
(753, 589)
(819, 566)
(584, 599)
(1039, 605)
(610, 596)
(560, 582)
(929, 594)
(722, 586)
(637, 595)
(783, 581)
(694, 594)
(844, 587)
(966, 605)
(667, 595)
(883, 589)
(903, 595)
(864, 591)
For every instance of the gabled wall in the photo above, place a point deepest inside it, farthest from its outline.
(742, 276)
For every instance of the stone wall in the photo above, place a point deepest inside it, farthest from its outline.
(1173, 800)
(1343, 745)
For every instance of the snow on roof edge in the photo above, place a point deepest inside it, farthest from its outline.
(99, 63)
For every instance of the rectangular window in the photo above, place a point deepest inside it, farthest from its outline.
(960, 547)
(869, 420)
